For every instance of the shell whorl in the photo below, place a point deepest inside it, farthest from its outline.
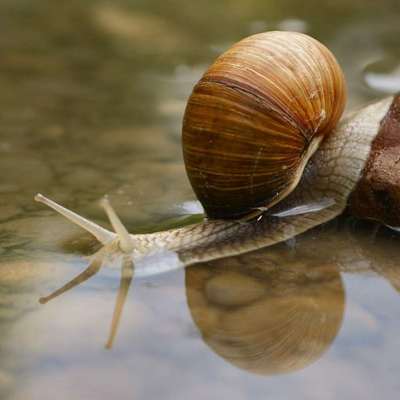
(255, 118)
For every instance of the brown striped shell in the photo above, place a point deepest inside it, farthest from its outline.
(256, 117)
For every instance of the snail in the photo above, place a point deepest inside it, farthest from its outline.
(268, 157)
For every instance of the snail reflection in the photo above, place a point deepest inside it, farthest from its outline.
(93, 268)
(276, 310)
(264, 312)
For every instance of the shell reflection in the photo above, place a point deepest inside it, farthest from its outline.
(265, 317)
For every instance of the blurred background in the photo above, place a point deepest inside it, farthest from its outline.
(92, 94)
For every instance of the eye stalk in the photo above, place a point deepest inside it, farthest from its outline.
(125, 240)
(103, 235)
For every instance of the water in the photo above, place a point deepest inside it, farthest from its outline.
(383, 75)
(91, 100)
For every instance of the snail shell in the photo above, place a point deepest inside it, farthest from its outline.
(256, 117)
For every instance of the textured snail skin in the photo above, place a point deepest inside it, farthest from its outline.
(333, 172)
(256, 117)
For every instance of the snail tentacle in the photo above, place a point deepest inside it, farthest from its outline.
(103, 235)
(125, 241)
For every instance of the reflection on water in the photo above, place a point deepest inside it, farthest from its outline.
(287, 311)
(93, 268)
(266, 314)
(92, 95)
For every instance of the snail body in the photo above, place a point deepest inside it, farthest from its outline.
(335, 172)
(351, 165)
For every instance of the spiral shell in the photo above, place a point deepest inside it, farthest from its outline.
(256, 117)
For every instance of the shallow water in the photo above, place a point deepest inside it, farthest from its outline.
(92, 96)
